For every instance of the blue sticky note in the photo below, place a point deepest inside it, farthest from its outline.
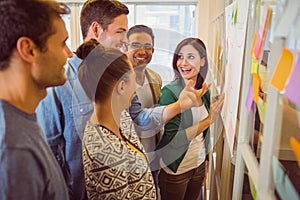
(282, 183)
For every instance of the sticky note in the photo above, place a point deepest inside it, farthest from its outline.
(296, 148)
(282, 70)
(282, 183)
(258, 47)
(249, 100)
(265, 21)
(254, 65)
(261, 107)
(255, 85)
(292, 88)
(235, 13)
(253, 44)
(252, 188)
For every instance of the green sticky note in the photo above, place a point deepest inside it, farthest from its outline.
(235, 13)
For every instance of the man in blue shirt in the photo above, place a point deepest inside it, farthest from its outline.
(64, 112)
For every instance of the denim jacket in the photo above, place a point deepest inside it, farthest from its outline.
(63, 115)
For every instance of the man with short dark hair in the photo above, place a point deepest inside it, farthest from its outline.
(32, 57)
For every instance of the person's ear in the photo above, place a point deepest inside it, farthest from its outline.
(202, 62)
(26, 49)
(96, 29)
(121, 87)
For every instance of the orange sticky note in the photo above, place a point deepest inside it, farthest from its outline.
(282, 70)
(255, 85)
(253, 44)
(296, 147)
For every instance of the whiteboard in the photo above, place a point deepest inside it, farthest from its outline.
(236, 22)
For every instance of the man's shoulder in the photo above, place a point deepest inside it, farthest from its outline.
(18, 130)
(152, 73)
(72, 66)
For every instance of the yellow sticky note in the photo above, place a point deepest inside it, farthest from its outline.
(261, 107)
(255, 85)
(296, 147)
(254, 66)
(283, 69)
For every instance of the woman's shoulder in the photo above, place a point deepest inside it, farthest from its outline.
(174, 86)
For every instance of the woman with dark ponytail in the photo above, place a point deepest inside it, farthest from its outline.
(115, 166)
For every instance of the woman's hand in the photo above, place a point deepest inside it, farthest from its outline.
(190, 97)
(215, 107)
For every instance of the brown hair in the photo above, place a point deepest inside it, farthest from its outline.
(101, 70)
(84, 49)
(29, 18)
(200, 47)
(102, 11)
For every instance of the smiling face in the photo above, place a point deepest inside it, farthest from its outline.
(189, 62)
(140, 49)
(49, 67)
(115, 34)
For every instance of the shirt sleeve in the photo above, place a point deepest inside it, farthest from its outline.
(21, 176)
(147, 118)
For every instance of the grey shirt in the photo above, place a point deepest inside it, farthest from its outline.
(28, 169)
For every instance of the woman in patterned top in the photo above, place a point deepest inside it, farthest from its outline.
(114, 162)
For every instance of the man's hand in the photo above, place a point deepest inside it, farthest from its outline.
(190, 97)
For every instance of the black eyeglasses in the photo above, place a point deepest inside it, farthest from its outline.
(137, 45)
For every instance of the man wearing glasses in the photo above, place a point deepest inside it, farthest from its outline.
(140, 49)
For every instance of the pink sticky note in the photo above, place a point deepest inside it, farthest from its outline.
(265, 21)
(249, 100)
(292, 88)
(258, 47)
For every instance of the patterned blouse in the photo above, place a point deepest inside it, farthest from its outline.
(115, 168)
